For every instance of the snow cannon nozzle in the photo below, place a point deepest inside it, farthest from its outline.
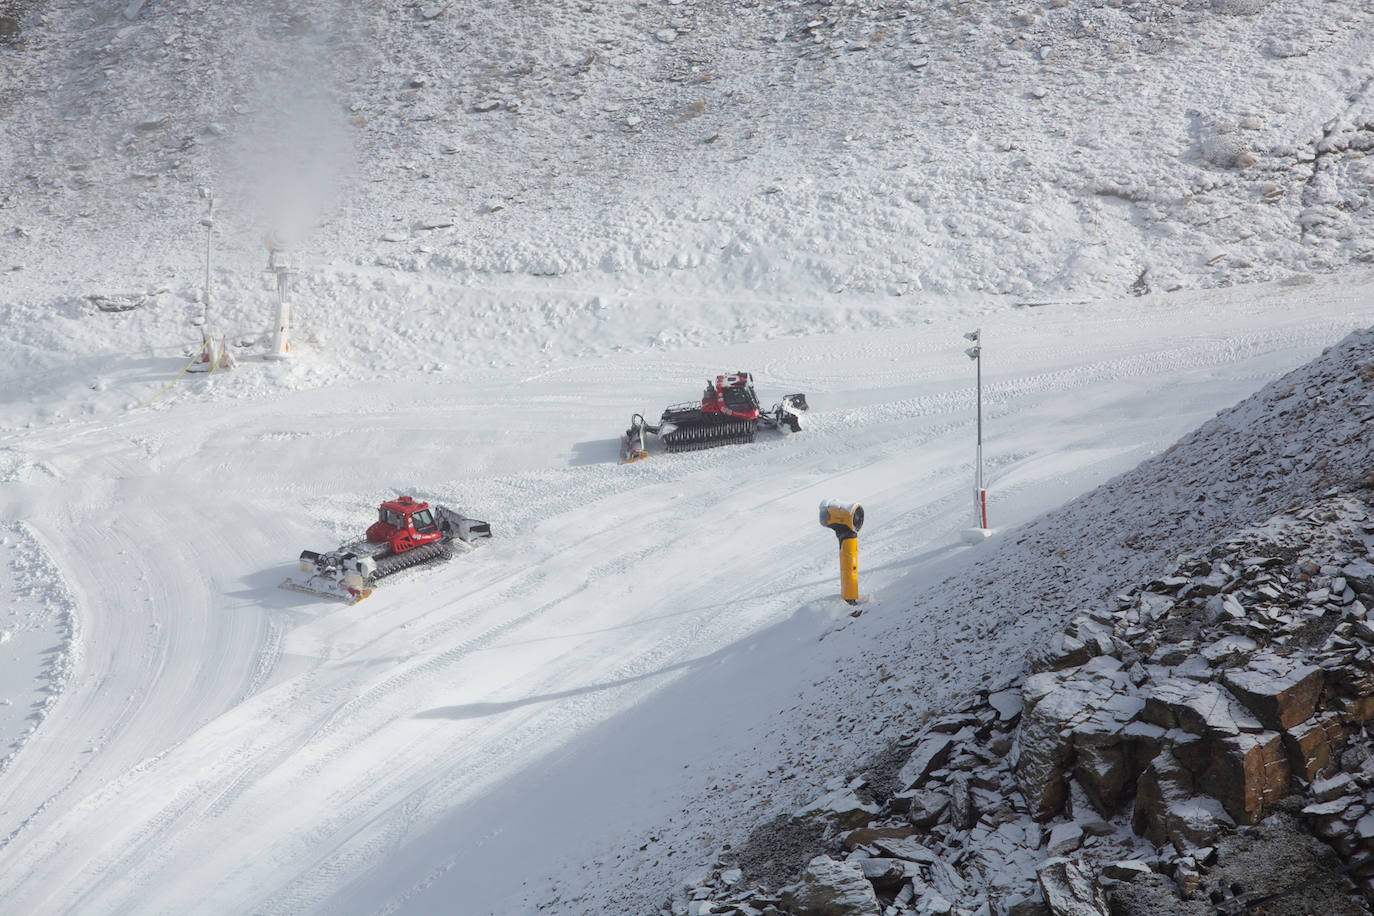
(844, 519)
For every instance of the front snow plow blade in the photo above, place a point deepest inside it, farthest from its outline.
(457, 525)
(340, 575)
(788, 413)
(632, 447)
(325, 587)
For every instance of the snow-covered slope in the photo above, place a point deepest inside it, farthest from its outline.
(622, 200)
(784, 148)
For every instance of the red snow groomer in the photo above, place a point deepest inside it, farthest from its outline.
(407, 533)
(728, 414)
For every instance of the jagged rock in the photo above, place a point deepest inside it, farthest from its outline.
(1026, 906)
(1359, 709)
(886, 874)
(1063, 651)
(1126, 869)
(1141, 741)
(1070, 889)
(831, 888)
(1064, 839)
(930, 754)
(1153, 606)
(1230, 651)
(1054, 704)
(1359, 575)
(926, 807)
(1007, 704)
(1094, 635)
(1197, 708)
(1172, 653)
(1196, 823)
(1281, 692)
(866, 836)
(1102, 762)
(1187, 876)
(1325, 790)
(1166, 810)
(1195, 752)
(843, 806)
(934, 905)
(1312, 746)
(953, 724)
(907, 848)
(960, 803)
(1247, 774)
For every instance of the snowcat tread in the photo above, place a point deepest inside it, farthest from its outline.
(399, 561)
(694, 438)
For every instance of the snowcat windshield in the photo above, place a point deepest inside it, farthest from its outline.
(740, 399)
(424, 521)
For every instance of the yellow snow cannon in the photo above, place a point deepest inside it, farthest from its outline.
(845, 520)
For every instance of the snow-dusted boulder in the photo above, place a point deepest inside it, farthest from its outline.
(1281, 692)
(1071, 890)
(831, 888)
(927, 807)
(1054, 705)
(844, 806)
(930, 754)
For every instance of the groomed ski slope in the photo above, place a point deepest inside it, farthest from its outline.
(517, 225)
(509, 729)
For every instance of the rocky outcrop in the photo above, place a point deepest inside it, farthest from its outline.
(1161, 733)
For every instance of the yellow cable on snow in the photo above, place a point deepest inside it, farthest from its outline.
(175, 377)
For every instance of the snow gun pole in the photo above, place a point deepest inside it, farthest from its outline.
(845, 520)
(282, 264)
(209, 224)
(975, 353)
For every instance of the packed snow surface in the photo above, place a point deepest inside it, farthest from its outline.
(515, 228)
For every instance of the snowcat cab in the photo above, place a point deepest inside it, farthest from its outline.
(404, 524)
(733, 396)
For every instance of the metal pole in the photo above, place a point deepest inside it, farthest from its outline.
(980, 506)
(209, 224)
(979, 363)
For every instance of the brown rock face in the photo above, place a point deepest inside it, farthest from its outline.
(1247, 774)
(1281, 695)
(1312, 747)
